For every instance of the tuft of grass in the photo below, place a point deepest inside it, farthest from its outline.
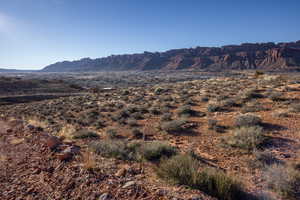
(248, 138)
(247, 120)
(153, 151)
(173, 126)
(184, 170)
(82, 134)
(295, 108)
(112, 149)
(284, 180)
(185, 110)
(111, 133)
(89, 161)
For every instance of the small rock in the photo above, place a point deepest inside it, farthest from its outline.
(53, 142)
(196, 198)
(128, 184)
(104, 196)
(72, 149)
(121, 172)
(65, 156)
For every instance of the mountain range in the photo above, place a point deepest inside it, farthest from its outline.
(265, 56)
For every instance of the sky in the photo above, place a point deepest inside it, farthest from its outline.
(36, 33)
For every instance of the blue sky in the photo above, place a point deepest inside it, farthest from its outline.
(35, 33)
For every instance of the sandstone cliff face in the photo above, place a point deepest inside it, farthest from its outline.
(269, 56)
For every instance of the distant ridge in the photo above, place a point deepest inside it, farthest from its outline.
(268, 56)
(14, 70)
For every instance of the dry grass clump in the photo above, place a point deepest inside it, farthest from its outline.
(112, 149)
(173, 126)
(247, 120)
(283, 179)
(248, 137)
(295, 108)
(185, 110)
(155, 150)
(150, 151)
(184, 170)
(84, 133)
(89, 161)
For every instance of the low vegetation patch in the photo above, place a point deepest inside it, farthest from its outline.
(247, 120)
(184, 170)
(284, 179)
(248, 138)
(81, 134)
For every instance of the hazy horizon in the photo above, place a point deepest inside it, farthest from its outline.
(38, 33)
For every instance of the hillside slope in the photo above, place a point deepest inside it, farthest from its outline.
(269, 56)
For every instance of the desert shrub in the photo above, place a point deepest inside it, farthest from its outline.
(132, 122)
(247, 138)
(283, 179)
(247, 120)
(81, 134)
(155, 110)
(155, 150)
(136, 133)
(166, 117)
(112, 149)
(213, 125)
(180, 169)
(295, 107)
(264, 158)
(230, 102)
(252, 106)
(173, 126)
(111, 133)
(251, 94)
(184, 170)
(185, 110)
(281, 114)
(213, 108)
(275, 96)
(204, 99)
(158, 91)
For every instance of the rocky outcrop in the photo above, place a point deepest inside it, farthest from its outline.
(269, 56)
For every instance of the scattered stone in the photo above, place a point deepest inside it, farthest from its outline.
(104, 196)
(53, 142)
(121, 172)
(128, 184)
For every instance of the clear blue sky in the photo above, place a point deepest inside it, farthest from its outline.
(35, 33)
